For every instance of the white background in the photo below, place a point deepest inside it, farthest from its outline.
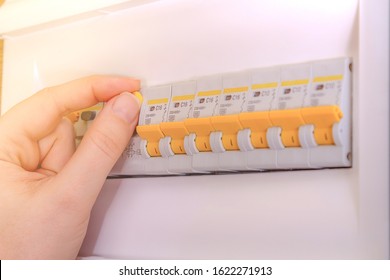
(340, 213)
(281, 270)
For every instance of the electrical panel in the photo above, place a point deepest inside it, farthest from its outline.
(278, 118)
(83, 119)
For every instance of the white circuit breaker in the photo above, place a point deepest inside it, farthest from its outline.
(285, 117)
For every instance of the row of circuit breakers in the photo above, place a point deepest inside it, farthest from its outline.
(286, 117)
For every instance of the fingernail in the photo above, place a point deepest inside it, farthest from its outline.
(124, 107)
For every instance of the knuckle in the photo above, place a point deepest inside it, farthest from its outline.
(105, 143)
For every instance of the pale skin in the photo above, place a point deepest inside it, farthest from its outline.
(47, 189)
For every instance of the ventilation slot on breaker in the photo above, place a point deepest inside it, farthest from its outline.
(286, 117)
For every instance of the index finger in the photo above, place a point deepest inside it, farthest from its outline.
(38, 115)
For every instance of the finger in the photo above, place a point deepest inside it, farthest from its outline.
(83, 176)
(57, 148)
(38, 115)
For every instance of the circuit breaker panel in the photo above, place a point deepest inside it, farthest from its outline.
(278, 118)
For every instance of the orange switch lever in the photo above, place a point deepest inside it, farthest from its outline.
(152, 134)
(202, 128)
(323, 118)
(229, 125)
(258, 123)
(290, 121)
(177, 131)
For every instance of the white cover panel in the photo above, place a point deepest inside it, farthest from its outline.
(339, 213)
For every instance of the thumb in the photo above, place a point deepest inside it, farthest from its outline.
(84, 174)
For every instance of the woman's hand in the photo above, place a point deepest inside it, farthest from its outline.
(47, 189)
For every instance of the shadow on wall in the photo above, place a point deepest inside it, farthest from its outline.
(88, 248)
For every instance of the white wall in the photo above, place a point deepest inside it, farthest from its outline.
(19, 17)
(340, 213)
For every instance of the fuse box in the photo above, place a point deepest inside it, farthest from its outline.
(277, 118)
(83, 120)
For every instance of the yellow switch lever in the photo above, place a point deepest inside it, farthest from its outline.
(202, 128)
(229, 125)
(290, 121)
(177, 131)
(323, 118)
(258, 123)
(152, 134)
(139, 96)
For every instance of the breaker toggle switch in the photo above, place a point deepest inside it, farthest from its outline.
(164, 146)
(244, 140)
(323, 118)
(190, 145)
(229, 126)
(202, 128)
(177, 131)
(306, 136)
(152, 134)
(290, 121)
(274, 138)
(258, 123)
(216, 142)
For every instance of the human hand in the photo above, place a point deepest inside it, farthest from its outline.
(47, 189)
